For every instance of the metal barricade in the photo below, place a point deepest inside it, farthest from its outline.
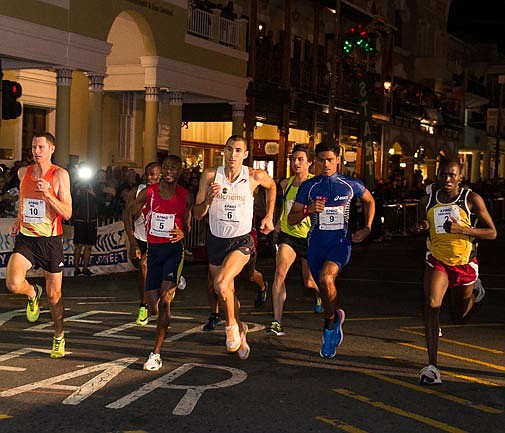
(398, 217)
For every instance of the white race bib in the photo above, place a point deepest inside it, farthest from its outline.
(332, 218)
(442, 214)
(161, 224)
(34, 211)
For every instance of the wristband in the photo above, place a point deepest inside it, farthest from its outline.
(306, 211)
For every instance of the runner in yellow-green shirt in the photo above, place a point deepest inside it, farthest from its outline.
(292, 239)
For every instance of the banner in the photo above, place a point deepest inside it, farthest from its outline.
(109, 255)
(365, 122)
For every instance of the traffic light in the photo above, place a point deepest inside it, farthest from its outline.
(11, 107)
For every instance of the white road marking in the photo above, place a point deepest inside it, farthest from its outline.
(193, 393)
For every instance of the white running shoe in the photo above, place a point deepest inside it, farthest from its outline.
(153, 363)
(182, 283)
(430, 375)
(478, 291)
(244, 350)
(233, 340)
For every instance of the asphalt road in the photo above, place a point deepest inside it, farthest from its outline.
(370, 386)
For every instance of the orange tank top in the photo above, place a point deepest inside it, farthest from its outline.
(36, 217)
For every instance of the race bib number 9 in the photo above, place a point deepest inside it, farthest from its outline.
(443, 214)
(34, 211)
(161, 224)
(332, 218)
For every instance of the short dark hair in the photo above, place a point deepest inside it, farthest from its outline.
(447, 162)
(47, 135)
(327, 147)
(150, 165)
(302, 147)
(174, 158)
(236, 137)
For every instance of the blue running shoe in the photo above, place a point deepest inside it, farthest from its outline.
(340, 315)
(328, 348)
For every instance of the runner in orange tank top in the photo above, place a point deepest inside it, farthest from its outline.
(45, 200)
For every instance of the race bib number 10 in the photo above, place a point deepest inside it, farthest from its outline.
(34, 211)
(161, 224)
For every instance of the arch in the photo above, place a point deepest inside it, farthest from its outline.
(131, 37)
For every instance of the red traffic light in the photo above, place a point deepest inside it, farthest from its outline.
(11, 91)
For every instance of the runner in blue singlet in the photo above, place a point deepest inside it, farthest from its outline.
(327, 199)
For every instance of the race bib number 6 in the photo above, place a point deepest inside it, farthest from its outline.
(34, 211)
(161, 224)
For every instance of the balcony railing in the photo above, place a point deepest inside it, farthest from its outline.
(213, 27)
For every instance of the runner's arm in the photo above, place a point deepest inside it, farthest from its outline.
(263, 179)
(422, 224)
(62, 201)
(487, 229)
(205, 194)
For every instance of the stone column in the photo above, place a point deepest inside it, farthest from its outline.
(216, 15)
(151, 124)
(486, 164)
(95, 111)
(242, 25)
(431, 169)
(237, 116)
(62, 132)
(475, 172)
(175, 100)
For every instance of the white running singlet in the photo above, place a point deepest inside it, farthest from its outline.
(231, 212)
(139, 230)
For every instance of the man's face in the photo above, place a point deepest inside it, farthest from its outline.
(299, 162)
(153, 175)
(234, 153)
(170, 171)
(41, 150)
(449, 177)
(327, 162)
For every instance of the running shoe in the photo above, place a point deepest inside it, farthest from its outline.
(340, 314)
(233, 340)
(87, 273)
(32, 308)
(329, 346)
(478, 291)
(244, 350)
(58, 350)
(153, 363)
(182, 283)
(261, 296)
(430, 375)
(143, 316)
(214, 320)
(318, 304)
(276, 329)
(332, 338)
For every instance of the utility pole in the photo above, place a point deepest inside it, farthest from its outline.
(501, 81)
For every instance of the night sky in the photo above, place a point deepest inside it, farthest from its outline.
(478, 21)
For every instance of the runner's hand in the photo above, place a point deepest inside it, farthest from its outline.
(212, 191)
(177, 234)
(360, 235)
(267, 225)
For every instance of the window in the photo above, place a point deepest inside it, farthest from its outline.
(127, 127)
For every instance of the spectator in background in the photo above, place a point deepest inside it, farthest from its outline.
(107, 208)
(85, 217)
(8, 199)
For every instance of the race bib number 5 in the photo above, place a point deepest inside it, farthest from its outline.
(443, 214)
(34, 211)
(161, 224)
(332, 218)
